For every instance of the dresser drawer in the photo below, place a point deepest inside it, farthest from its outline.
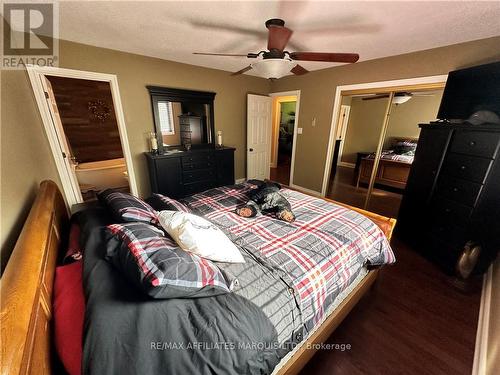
(445, 210)
(466, 167)
(461, 191)
(199, 175)
(451, 234)
(197, 158)
(198, 165)
(475, 143)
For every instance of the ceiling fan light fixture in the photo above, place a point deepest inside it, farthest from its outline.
(273, 68)
(400, 99)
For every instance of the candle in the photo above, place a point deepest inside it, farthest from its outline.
(219, 138)
(154, 143)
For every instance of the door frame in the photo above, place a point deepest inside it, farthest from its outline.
(37, 75)
(418, 83)
(295, 93)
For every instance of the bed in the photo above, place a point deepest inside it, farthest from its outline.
(394, 165)
(28, 285)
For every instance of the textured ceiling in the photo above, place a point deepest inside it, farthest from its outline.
(172, 30)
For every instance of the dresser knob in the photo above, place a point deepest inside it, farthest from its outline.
(447, 210)
(455, 189)
(463, 168)
(472, 143)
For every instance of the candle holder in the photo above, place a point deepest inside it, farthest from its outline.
(153, 142)
(219, 139)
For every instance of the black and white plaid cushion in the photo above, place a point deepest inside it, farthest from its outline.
(158, 266)
(162, 202)
(126, 207)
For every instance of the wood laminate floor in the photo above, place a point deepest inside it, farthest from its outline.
(384, 201)
(412, 322)
(280, 174)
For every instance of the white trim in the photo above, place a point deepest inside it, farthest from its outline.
(36, 74)
(368, 85)
(481, 349)
(295, 126)
(240, 180)
(346, 164)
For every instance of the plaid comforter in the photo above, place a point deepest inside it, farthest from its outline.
(391, 155)
(321, 252)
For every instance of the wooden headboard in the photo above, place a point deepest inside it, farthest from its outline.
(26, 304)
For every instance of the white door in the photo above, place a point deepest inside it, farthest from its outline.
(62, 141)
(259, 126)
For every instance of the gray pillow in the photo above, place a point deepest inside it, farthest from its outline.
(157, 266)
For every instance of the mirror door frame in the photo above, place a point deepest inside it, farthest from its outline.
(419, 83)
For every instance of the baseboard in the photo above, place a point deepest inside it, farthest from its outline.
(306, 190)
(240, 180)
(346, 164)
(481, 348)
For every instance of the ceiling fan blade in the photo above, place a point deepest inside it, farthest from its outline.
(376, 97)
(241, 71)
(278, 37)
(299, 70)
(325, 56)
(219, 54)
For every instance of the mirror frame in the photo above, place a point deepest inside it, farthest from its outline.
(181, 95)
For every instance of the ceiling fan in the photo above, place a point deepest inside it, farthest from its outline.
(399, 97)
(276, 61)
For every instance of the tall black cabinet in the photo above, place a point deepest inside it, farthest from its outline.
(453, 193)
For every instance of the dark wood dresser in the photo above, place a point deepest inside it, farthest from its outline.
(453, 193)
(178, 174)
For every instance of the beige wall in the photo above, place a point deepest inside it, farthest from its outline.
(318, 90)
(26, 157)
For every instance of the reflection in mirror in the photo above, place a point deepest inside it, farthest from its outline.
(182, 117)
(360, 124)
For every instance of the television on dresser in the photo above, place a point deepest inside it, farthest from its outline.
(470, 91)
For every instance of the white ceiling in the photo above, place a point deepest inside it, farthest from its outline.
(172, 30)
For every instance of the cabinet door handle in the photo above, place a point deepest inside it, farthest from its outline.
(472, 143)
(455, 189)
(463, 167)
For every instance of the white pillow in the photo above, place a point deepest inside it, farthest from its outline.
(199, 236)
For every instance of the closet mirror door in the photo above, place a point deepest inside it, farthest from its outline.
(357, 140)
(408, 109)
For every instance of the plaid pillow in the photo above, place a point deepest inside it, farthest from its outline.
(162, 202)
(157, 266)
(126, 207)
